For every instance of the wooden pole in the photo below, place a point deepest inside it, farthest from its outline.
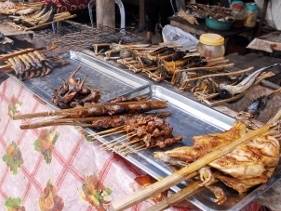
(105, 11)
(263, 16)
(99, 13)
(141, 15)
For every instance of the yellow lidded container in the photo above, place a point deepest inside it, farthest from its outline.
(211, 45)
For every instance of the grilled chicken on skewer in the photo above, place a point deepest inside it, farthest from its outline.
(248, 165)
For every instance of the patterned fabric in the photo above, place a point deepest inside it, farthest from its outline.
(68, 5)
(55, 169)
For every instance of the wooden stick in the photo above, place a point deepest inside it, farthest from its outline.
(181, 174)
(177, 197)
(219, 102)
(71, 111)
(49, 23)
(109, 131)
(217, 67)
(13, 54)
(119, 140)
(220, 74)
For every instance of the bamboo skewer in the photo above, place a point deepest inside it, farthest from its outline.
(177, 197)
(119, 140)
(220, 74)
(13, 54)
(49, 23)
(181, 174)
(212, 68)
(74, 111)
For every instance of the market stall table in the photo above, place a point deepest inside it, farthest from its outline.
(56, 160)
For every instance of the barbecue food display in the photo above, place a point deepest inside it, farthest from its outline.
(29, 63)
(120, 116)
(248, 165)
(74, 92)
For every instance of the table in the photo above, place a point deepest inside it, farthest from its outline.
(53, 165)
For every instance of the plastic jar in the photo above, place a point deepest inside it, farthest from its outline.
(251, 15)
(238, 12)
(211, 45)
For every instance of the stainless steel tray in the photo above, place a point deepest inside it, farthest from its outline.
(97, 75)
(188, 119)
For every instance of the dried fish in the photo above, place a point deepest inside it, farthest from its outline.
(230, 90)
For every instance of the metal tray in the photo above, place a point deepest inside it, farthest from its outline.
(111, 83)
(188, 119)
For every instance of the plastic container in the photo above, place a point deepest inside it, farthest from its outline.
(218, 25)
(238, 12)
(251, 15)
(211, 45)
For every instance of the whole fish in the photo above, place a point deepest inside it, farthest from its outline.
(231, 90)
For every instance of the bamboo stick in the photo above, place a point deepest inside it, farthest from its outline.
(177, 197)
(156, 104)
(181, 174)
(49, 23)
(220, 74)
(16, 53)
(212, 68)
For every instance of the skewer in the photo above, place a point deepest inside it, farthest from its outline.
(177, 197)
(181, 174)
(16, 53)
(108, 132)
(217, 67)
(155, 104)
(119, 140)
(130, 143)
(49, 23)
(134, 150)
(220, 74)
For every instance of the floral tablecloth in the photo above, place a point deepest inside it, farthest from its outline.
(55, 169)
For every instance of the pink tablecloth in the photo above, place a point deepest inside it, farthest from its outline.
(55, 167)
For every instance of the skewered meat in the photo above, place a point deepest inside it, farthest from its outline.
(74, 93)
(120, 120)
(248, 165)
(153, 131)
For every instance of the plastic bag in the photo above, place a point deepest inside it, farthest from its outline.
(174, 35)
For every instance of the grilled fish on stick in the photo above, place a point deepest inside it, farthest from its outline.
(30, 64)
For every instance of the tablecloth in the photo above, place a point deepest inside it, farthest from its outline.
(55, 168)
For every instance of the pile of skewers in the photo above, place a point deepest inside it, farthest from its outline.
(74, 92)
(212, 81)
(141, 130)
(160, 63)
(43, 18)
(29, 63)
(241, 158)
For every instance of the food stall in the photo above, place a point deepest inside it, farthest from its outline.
(93, 118)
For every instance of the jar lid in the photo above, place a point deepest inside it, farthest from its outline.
(211, 39)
